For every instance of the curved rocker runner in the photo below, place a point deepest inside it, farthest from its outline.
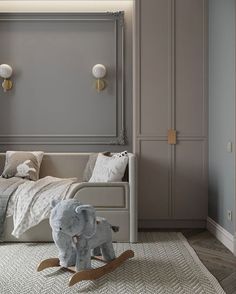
(90, 274)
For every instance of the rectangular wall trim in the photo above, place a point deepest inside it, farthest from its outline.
(114, 136)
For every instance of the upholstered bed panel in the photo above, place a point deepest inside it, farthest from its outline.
(61, 165)
(42, 232)
(104, 195)
(115, 201)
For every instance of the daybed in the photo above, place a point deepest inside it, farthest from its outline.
(115, 201)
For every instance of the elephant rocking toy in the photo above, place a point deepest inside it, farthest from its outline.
(81, 236)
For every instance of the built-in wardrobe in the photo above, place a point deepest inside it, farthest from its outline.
(170, 112)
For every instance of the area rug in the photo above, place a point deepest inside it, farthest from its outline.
(164, 263)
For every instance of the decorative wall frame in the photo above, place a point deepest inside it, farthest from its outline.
(119, 138)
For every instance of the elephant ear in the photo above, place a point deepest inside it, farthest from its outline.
(89, 215)
(54, 202)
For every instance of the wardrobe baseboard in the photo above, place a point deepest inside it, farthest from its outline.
(171, 224)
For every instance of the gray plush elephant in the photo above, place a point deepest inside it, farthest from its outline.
(76, 231)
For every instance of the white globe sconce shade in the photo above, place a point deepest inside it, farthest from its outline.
(6, 73)
(99, 72)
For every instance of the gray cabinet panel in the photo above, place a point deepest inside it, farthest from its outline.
(189, 181)
(155, 67)
(169, 93)
(153, 180)
(189, 67)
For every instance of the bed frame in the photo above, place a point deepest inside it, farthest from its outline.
(115, 201)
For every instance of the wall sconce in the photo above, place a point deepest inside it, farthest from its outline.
(5, 73)
(99, 72)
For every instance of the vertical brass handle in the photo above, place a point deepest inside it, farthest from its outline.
(172, 137)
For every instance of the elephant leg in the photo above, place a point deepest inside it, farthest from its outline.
(66, 248)
(83, 257)
(97, 251)
(108, 251)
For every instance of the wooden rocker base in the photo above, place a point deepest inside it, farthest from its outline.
(90, 274)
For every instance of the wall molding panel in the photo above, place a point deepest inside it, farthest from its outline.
(114, 130)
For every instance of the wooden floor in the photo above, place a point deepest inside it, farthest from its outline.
(215, 256)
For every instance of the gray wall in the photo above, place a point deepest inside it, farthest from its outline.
(221, 110)
(61, 99)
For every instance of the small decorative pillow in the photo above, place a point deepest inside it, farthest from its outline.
(88, 171)
(22, 164)
(109, 169)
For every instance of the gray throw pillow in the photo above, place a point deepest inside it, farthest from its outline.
(22, 164)
(88, 171)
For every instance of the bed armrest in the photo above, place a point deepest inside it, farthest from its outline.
(115, 195)
(101, 184)
(112, 196)
(87, 185)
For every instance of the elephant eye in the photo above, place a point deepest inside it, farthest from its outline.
(60, 228)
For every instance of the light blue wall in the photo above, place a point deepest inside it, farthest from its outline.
(221, 110)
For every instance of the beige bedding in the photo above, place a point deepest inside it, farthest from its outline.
(9, 186)
(30, 203)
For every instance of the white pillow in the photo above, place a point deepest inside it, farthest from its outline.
(109, 169)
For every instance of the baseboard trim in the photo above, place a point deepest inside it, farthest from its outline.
(171, 224)
(221, 234)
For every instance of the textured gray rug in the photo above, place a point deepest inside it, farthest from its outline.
(163, 263)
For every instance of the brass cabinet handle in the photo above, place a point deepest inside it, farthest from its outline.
(172, 137)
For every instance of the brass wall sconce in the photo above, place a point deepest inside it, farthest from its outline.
(5, 73)
(99, 72)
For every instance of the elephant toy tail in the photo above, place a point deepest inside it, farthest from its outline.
(115, 228)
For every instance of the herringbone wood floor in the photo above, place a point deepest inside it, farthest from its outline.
(215, 256)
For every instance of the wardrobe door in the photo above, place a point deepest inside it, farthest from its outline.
(169, 96)
(153, 108)
(153, 180)
(189, 180)
(190, 37)
(155, 67)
